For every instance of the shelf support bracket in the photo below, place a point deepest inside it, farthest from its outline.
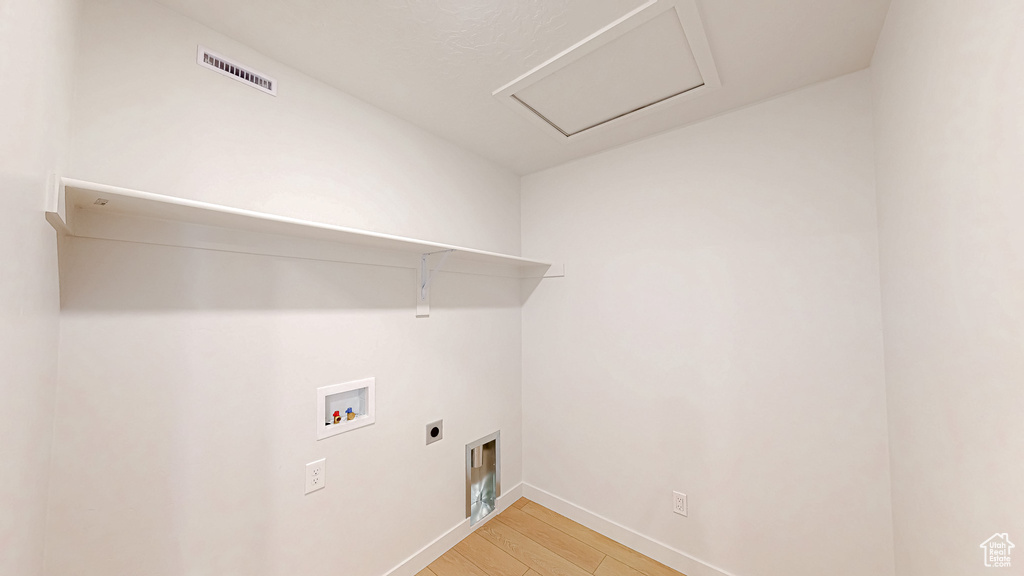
(426, 275)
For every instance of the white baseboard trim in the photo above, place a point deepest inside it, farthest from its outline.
(659, 551)
(418, 561)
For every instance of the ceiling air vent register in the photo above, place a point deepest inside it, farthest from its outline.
(236, 71)
(654, 56)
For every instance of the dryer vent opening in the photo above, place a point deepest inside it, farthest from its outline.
(483, 476)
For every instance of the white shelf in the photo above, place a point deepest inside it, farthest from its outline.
(90, 210)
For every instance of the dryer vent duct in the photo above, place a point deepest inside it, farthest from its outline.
(483, 477)
(236, 71)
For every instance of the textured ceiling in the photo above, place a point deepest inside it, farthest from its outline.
(436, 62)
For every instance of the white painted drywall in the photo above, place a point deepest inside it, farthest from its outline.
(36, 54)
(186, 407)
(718, 332)
(948, 85)
(148, 117)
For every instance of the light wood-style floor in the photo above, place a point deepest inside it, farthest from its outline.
(527, 539)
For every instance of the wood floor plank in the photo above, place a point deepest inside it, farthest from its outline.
(602, 543)
(451, 563)
(537, 557)
(553, 539)
(493, 560)
(425, 572)
(520, 503)
(612, 567)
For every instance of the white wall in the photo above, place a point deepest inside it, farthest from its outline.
(719, 333)
(147, 116)
(186, 411)
(188, 377)
(948, 85)
(36, 52)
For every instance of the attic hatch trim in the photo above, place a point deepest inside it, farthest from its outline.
(693, 29)
(235, 70)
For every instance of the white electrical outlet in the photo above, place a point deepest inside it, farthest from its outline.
(679, 503)
(316, 475)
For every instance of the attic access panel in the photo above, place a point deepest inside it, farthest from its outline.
(655, 55)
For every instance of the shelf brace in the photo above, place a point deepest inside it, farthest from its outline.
(425, 277)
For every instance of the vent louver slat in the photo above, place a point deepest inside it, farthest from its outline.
(236, 71)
